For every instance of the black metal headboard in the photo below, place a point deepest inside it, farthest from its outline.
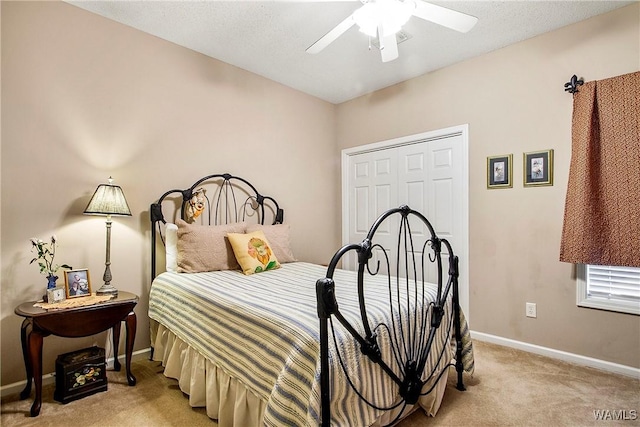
(413, 348)
(212, 200)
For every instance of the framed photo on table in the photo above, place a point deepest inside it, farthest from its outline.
(77, 283)
(499, 171)
(538, 168)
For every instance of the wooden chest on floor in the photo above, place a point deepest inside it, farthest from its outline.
(79, 374)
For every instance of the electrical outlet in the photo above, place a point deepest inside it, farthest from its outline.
(531, 309)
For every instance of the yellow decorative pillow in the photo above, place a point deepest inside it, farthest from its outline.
(253, 252)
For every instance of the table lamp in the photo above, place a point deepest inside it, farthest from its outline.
(108, 200)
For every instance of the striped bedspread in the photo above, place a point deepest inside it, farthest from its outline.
(263, 330)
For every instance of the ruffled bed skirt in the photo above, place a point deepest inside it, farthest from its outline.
(227, 400)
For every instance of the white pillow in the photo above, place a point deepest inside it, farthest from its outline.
(171, 247)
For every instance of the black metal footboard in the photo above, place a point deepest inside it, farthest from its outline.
(415, 319)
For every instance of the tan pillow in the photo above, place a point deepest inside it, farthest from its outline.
(278, 236)
(253, 252)
(205, 247)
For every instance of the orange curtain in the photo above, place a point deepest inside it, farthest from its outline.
(602, 207)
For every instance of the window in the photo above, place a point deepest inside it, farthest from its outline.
(609, 288)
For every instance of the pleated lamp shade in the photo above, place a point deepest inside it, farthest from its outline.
(108, 199)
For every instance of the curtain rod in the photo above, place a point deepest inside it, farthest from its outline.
(572, 85)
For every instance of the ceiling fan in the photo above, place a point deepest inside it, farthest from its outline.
(382, 19)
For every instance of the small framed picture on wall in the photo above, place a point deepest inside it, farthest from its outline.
(538, 168)
(499, 171)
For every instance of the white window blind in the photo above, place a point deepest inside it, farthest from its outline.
(609, 288)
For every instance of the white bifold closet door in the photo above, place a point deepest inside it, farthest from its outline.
(427, 173)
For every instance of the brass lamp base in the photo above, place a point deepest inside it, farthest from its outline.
(107, 290)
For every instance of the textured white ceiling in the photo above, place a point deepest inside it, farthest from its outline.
(269, 37)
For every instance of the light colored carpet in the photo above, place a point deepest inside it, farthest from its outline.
(509, 388)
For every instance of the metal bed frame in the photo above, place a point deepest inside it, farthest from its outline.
(234, 199)
(413, 345)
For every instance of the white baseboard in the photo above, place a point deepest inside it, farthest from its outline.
(558, 354)
(47, 379)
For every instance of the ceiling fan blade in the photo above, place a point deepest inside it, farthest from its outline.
(388, 47)
(328, 38)
(446, 17)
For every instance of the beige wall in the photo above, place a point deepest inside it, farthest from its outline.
(514, 102)
(84, 98)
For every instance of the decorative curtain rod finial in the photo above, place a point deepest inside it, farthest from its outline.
(572, 85)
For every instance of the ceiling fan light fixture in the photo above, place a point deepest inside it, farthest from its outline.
(390, 15)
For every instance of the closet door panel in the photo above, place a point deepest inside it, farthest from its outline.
(429, 173)
(374, 191)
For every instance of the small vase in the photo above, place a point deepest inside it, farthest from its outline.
(51, 284)
(51, 281)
